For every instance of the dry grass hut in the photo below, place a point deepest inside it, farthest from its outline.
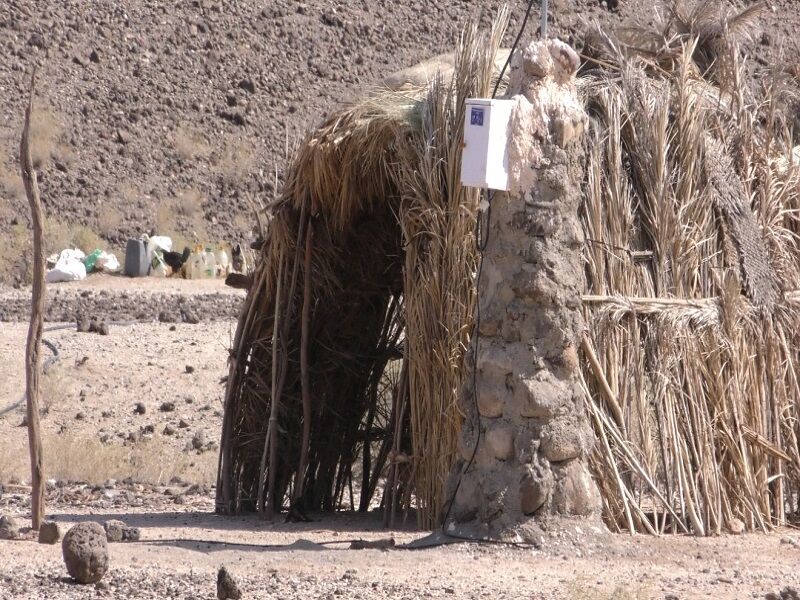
(349, 353)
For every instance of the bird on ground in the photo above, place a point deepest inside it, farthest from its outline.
(175, 260)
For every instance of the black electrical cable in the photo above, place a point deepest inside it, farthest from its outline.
(481, 246)
(53, 358)
(513, 47)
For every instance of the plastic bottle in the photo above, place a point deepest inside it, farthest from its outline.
(223, 262)
(210, 264)
(158, 268)
(90, 260)
(195, 270)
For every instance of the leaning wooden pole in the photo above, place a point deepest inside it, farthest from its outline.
(33, 358)
(305, 378)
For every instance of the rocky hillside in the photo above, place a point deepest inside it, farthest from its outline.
(177, 116)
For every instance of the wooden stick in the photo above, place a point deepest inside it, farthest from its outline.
(273, 415)
(610, 459)
(277, 388)
(398, 433)
(611, 398)
(33, 358)
(652, 305)
(226, 496)
(305, 383)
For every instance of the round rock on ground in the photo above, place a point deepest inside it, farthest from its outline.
(117, 531)
(9, 529)
(114, 530)
(226, 586)
(49, 533)
(735, 526)
(86, 552)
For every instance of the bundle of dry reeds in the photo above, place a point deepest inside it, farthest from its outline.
(692, 263)
(437, 217)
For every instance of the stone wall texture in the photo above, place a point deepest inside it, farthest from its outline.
(531, 459)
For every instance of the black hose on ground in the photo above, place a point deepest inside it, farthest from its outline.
(53, 358)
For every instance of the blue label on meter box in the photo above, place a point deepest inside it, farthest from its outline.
(476, 117)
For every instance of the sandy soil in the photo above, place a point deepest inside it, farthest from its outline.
(163, 483)
(90, 397)
(98, 282)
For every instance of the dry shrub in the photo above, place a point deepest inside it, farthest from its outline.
(11, 185)
(14, 263)
(69, 458)
(183, 230)
(581, 590)
(66, 154)
(85, 239)
(56, 385)
(189, 203)
(129, 192)
(243, 225)
(45, 130)
(14, 461)
(236, 162)
(108, 222)
(190, 144)
(15, 260)
(165, 218)
(56, 235)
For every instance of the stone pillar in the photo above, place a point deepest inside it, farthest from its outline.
(531, 461)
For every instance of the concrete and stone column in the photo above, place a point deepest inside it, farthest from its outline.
(531, 461)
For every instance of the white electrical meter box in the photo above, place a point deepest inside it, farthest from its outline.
(484, 162)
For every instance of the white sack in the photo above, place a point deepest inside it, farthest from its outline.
(107, 263)
(69, 267)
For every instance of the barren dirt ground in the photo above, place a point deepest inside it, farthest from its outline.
(156, 471)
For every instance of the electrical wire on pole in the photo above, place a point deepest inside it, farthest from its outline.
(543, 26)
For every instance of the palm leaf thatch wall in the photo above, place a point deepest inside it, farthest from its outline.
(692, 267)
(349, 352)
(368, 257)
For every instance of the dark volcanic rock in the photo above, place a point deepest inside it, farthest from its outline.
(117, 531)
(9, 529)
(226, 586)
(85, 552)
(49, 533)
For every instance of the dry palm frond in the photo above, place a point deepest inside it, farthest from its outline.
(437, 217)
(692, 342)
(715, 28)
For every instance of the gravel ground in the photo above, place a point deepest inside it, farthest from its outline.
(145, 401)
(121, 299)
(182, 548)
(147, 470)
